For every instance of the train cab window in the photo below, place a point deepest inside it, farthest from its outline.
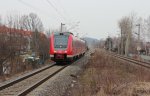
(60, 41)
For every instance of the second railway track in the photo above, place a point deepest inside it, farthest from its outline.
(134, 61)
(29, 83)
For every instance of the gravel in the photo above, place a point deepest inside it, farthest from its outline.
(57, 85)
(20, 86)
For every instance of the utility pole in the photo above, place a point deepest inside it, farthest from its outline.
(61, 29)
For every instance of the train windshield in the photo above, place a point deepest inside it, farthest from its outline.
(60, 41)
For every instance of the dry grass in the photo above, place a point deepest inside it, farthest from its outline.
(107, 76)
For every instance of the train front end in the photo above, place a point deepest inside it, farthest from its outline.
(61, 47)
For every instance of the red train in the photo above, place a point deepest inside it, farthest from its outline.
(66, 47)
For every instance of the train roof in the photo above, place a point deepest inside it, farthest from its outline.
(63, 33)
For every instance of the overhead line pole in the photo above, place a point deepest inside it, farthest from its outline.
(61, 29)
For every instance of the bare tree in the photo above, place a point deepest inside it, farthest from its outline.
(31, 22)
(14, 40)
(146, 33)
(147, 25)
(0, 21)
(35, 23)
(123, 25)
(126, 26)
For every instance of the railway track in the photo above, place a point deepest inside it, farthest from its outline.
(134, 61)
(24, 85)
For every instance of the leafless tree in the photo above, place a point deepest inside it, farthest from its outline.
(145, 30)
(15, 36)
(135, 31)
(123, 24)
(0, 21)
(33, 23)
(126, 25)
(147, 27)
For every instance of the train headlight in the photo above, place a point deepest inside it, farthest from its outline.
(55, 51)
(65, 51)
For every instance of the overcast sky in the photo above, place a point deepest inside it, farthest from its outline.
(96, 18)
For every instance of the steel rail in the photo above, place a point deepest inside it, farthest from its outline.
(34, 86)
(26, 90)
(134, 61)
(10, 83)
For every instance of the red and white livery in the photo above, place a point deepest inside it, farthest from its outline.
(66, 47)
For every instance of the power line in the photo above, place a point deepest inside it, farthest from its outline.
(65, 14)
(53, 6)
(56, 4)
(63, 9)
(35, 8)
(28, 5)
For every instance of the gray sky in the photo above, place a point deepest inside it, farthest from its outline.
(98, 18)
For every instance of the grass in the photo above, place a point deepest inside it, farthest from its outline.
(105, 75)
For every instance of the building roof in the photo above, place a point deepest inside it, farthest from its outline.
(20, 31)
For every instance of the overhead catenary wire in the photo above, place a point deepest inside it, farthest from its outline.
(35, 8)
(60, 7)
(68, 18)
(21, 1)
(53, 6)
